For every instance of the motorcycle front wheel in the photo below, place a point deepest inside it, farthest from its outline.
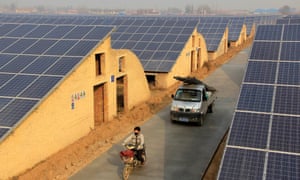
(126, 172)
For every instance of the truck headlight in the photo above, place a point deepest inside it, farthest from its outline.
(195, 110)
(174, 108)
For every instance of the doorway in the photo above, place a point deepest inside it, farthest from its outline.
(99, 104)
(121, 94)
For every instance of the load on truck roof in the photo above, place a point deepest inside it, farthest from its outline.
(193, 80)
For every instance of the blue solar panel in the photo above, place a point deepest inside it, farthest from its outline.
(291, 33)
(141, 45)
(5, 42)
(61, 47)
(261, 72)
(159, 55)
(3, 131)
(177, 46)
(21, 30)
(4, 102)
(40, 31)
(285, 134)
(124, 37)
(256, 98)
(40, 87)
(146, 55)
(82, 48)
(152, 65)
(287, 100)
(18, 63)
(242, 164)
(4, 78)
(5, 28)
(267, 117)
(16, 85)
(165, 65)
(40, 65)
(98, 33)
(78, 32)
(5, 58)
(269, 32)
(59, 32)
(19, 46)
(165, 46)
(265, 50)
(142, 29)
(63, 66)
(249, 130)
(172, 56)
(289, 73)
(290, 51)
(283, 166)
(40, 46)
(15, 111)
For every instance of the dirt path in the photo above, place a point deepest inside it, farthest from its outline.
(71, 159)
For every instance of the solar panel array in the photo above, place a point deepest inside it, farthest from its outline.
(34, 59)
(264, 137)
(235, 28)
(213, 29)
(157, 42)
(288, 20)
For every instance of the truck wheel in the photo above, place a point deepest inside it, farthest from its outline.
(201, 121)
(210, 108)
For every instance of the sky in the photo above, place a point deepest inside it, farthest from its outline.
(157, 4)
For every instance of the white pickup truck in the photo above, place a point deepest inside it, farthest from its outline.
(192, 101)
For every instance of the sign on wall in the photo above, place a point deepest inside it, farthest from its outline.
(76, 97)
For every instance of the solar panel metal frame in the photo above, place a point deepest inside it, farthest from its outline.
(282, 139)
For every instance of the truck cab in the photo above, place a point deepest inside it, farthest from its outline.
(191, 102)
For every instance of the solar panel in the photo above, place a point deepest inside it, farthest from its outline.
(21, 30)
(40, 46)
(61, 47)
(267, 71)
(265, 50)
(5, 42)
(63, 66)
(268, 32)
(267, 118)
(15, 110)
(249, 130)
(290, 51)
(291, 33)
(288, 73)
(40, 87)
(242, 164)
(213, 30)
(82, 48)
(40, 65)
(34, 58)
(19, 46)
(3, 131)
(18, 63)
(256, 98)
(283, 166)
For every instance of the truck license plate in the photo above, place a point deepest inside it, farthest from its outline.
(183, 119)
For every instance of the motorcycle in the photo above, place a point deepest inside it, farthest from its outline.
(130, 160)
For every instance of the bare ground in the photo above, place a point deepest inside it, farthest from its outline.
(71, 159)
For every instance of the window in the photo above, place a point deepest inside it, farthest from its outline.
(122, 64)
(99, 58)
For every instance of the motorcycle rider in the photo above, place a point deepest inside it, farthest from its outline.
(137, 139)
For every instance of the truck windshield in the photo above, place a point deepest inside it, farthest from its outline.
(188, 95)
